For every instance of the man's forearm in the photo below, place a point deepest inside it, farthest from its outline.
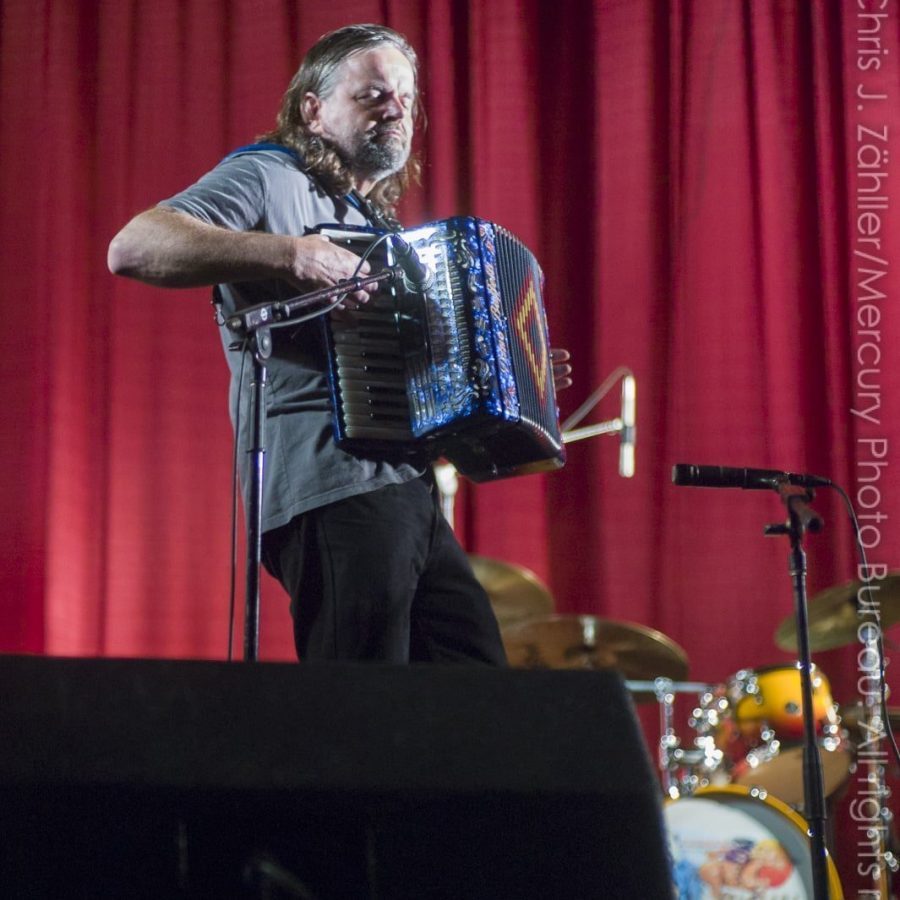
(168, 248)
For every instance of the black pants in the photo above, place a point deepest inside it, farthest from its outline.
(380, 576)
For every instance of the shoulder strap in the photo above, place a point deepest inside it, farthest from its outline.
(256, 148)
(372, 213)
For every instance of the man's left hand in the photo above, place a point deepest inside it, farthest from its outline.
(561, 368)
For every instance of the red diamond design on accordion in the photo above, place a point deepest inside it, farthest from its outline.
(529, 324)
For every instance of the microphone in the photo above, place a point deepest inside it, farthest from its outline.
(687, 475)
(417, 277)
(626, 444)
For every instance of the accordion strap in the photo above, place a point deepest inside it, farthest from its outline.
(372, 213)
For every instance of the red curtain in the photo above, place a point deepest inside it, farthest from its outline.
(707, 183)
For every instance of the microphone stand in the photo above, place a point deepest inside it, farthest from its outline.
(802, 518)
(254, 324)
(610, 426)
(622, 425)
(261, 347)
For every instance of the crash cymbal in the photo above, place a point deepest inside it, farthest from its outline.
(833, 614)
(515, 592)
(587, 642)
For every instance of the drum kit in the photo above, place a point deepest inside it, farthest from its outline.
(734, 786)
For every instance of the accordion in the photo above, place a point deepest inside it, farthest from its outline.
(461, 370)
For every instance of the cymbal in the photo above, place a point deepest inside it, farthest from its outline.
(587, 642)
(833, 614)
(515, 592)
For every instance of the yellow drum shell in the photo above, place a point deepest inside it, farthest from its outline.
(778, 702)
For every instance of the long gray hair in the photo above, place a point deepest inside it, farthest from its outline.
(317, 75)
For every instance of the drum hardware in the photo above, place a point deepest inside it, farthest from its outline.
(684, 771)
(516, 593)
(747, 731)
(589, 642)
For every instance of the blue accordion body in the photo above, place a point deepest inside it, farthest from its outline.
(462, 370)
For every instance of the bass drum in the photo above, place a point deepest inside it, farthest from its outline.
(733, 843)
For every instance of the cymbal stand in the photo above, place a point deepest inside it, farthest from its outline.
(802, 518)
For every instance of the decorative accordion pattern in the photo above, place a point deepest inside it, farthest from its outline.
(462, 371)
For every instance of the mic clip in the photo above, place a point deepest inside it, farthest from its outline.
(417, 277)
(801, 516)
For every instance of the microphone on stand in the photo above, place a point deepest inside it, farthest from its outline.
(627, 440)
(417, 277)
(688, 475)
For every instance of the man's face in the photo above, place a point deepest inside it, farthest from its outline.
(368, 115)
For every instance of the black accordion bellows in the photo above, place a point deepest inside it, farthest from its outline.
(462, 370)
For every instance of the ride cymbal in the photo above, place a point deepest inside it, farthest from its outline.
(836, 613)
(516, 594)
(588, 642)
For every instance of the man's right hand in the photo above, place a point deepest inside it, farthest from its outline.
(317, 262)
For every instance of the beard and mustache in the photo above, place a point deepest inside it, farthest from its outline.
(377, 153)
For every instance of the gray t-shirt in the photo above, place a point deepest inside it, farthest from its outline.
(264, 190)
